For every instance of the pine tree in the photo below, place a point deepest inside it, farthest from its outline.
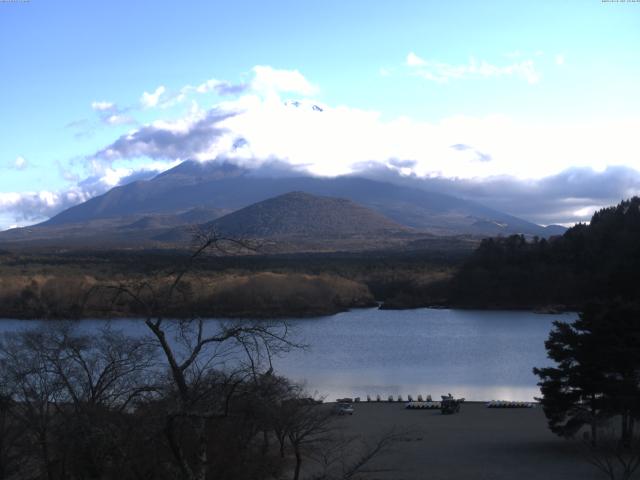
(598, 370)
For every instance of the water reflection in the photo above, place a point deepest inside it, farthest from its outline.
(479, 355)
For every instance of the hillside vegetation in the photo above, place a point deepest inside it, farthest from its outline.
(598, 260)
(65, 284)
(261, 295)
(299, 213)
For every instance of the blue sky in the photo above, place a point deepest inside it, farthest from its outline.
(537, 89)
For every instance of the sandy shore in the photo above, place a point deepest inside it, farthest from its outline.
(477, 443)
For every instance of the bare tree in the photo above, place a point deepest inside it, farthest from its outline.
(308, 425)
(350, 458)
(11, 435)
(193, 348)
(68, 389)
(37, 392)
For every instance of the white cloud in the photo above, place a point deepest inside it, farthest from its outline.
(415, 61)
(340, 139)
(37, 206)
(24, 208)
(259, 126)
(102, 106)
(20, 163)
(111, 114)
(149, 100)
(560, 59)
(268, 80)
(208, 86)
(118, 119)
(585, 213)
(163, 98)
(443, 72)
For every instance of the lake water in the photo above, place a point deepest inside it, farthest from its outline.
(479, 355)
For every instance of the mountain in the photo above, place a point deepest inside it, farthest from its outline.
(228, 187)
(301, 222)
(303, 215)
(190, 217)
(126, 231)
(179, 189)
(198, 193)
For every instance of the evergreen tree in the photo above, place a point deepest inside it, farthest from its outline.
(598, 370)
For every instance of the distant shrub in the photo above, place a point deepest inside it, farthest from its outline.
(271, 294)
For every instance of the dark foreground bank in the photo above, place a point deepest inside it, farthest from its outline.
(477, 443)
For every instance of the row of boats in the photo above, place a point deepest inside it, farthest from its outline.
(424, 405)
(399, 398)
(508, 404)
(491, 404)
(427, 402)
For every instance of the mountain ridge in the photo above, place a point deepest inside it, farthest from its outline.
(226, 186)
(146, 210)
(300, 214)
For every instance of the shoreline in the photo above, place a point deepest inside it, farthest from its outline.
(476, 443)
(309, 316)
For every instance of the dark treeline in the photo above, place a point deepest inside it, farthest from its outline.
(593, 389)
(599, 260)
(150, 261)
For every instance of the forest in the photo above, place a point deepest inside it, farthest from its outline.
(600, 260)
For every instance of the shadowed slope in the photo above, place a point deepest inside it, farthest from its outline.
(302, 214)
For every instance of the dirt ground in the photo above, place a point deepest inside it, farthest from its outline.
(477, 443)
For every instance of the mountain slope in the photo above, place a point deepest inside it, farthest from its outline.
(224, 186)
(168, 192)
(302, 214)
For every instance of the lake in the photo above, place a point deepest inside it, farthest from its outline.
(479, 355)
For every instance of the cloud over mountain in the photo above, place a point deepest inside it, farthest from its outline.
(190, 137)
(274, 116)
(24, 208)
(546, 172)
(569, 196)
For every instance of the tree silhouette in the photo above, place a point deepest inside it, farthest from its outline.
(598, 370)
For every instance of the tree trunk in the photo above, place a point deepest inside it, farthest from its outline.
(594, 423)
(45, 458)
(176, 449)
(202, 461)
(626, 443)
(265, 441)
(296, 473)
